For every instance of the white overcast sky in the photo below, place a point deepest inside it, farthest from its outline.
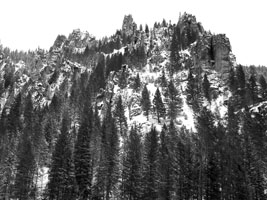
(27, 24)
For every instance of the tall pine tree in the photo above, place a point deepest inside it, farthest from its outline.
(145, 102)
(263, 88)
(120, 117)
(206, 87)
(82, 155)
(175, 102)
(24, 187)
(108, 170)
(132, 167)
(158, 105)
(166, 186)
(61, 183)
(150, 166)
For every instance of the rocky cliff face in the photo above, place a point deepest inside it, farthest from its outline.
(190, 29)
(213, 52)
(128, 26)
(221, 49)
(78, 40)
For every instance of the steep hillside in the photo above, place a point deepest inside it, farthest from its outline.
(147, 113)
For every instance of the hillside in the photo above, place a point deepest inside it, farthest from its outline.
(147, 113)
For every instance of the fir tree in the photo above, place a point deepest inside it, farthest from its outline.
(158, 105)
(141, 27)
(120, 117)
(137, 83)
(122, 79)
(28, 116)
(193, 91)
(82, 155)
(132, 163)
(232, 80)
(108, 172)
(241, 82)
(164, 24)
(3, 126)
(205, 127)
(10, 128)
(14, 123)
(166, 187)
(206, 87)
(145, 102)
(147, 30)
(263, 88)
(151, 164)
(252, 90)
(252, 166)
(175, 48)
(175, 102)
(96, 140)
(25, 170)
(163, 80)
(61, 183)
(190, 90)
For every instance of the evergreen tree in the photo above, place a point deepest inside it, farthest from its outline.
(14, 123)
(151, 164)
(164, 24)
(26, 159)
(163, 80)
(122, 79)
(206, 87)
(190, 90)
(98, 76)
(254, 153)
(132, 163)
(147, 30)
(263, 88)
(25, 170)
(10, 128)
(28, 116)
(96, 140)
(175, 102)
(241, 82)
(145, 102)
(120, 117)
(232, 80)
(108, 171)
(233, 172)
(175, 48)
(3, 126)
(137, 83)
(252, 90)
(205, 127)
(61, 183)
(82, 155)
(166, 187)
(158, 105)
(141, 27)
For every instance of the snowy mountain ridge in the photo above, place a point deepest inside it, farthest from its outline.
(172, 79)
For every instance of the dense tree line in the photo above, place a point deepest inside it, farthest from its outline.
(93, 153)
(215, 162)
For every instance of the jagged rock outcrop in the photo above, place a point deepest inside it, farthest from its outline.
(59, 41)
(128, 26)
(202, 52)
(221, 49)
(213, 52)
(79, 39)
(190, 29)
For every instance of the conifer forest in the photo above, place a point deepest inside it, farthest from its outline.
(149, 113)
